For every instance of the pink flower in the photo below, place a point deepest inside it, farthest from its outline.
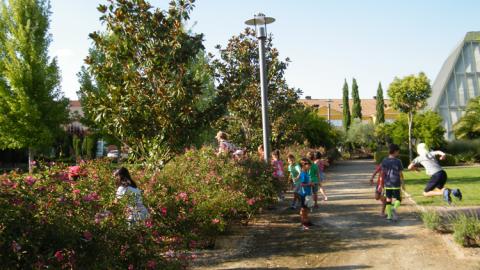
(8, 183)
(251, 201)
(182, 197)
(151, 264)
(130, 267)
(59, 256)
(163, 211)
(91, 197)
(73, 171)
(148, 223)
(16, 247)
(87, 235)
(30, 180)
(215, 221)
(76, 191)
(33, 163)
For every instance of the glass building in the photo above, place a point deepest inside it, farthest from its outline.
(457, 82)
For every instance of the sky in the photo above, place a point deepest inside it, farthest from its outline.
(327, 41)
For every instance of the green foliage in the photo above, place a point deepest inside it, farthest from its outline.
(465, 151)
(427, 128)
(361, 135)
(58, 219)
(468, 127)
(378, 156)
(431, 220)
(149, 94)
(237, 72)
(346, 107)
(357, 105)
(77, 146)
(466, 229)
(32, 106)
(89, 146)
(380, 105)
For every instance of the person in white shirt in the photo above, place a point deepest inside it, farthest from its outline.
(438, 177)
(127, 187)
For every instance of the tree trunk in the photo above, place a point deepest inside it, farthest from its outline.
(410, 122)
(30, 160)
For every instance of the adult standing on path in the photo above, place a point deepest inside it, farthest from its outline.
(438, 176)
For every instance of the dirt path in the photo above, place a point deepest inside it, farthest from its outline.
(350, 234)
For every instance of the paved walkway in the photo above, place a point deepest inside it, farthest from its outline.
(350, 234)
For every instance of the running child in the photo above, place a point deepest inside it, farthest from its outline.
(304, 191)
(294, 170)
(379, 188)
(321, 165)
(278, 174)
(393, 177)
(314, 173)
(438, 177)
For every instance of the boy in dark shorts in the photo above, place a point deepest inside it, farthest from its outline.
(393, 181)
(438, 177)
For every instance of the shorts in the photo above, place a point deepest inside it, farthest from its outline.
(437, 180)
(322, 176)
(315, 188)
(393, 193)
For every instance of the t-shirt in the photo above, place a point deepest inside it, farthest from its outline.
(305, 189)
(294, 170)
(429, 162)
(392, 168)
(313, 172)
(138, 211)
(277, 168)
(320, 164)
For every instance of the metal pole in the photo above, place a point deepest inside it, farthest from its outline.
(263, 84)
(329, 113)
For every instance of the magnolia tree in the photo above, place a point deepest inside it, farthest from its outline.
(32, 106)
(237, 73)
(150, 97)
(409, 95)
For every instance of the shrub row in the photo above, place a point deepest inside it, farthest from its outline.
(54, 219)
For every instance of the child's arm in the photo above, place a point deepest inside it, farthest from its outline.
(377, 170)
(402, 181)
(440, 153)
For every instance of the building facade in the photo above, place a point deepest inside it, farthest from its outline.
(332, 109)
(457, 82)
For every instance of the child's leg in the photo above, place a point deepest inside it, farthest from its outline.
(388, 204)
(323, 192)
(315, 194)
(384, 204)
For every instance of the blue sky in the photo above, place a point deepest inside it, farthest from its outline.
(327, 41)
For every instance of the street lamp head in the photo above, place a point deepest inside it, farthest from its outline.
(260, 22)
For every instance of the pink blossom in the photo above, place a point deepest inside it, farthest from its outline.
(91, 197)
(151, 264)
(15, 246)
(148, 223)
(87, 235)
(33, 163)
(163, 211)
(30, 180)
(73, 171)
(59, 255)
(130, 267)
(76, 191)
(170, 254)
(8, 183)
(251, 201)
(215, 221)
(183, 196)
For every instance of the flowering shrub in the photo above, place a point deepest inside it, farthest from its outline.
(63, 218)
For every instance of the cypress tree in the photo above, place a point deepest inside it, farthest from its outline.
(346, 106)
(380, 105)
(32, 106)
(356, 106)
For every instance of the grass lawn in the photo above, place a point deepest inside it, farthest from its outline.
(467, 179)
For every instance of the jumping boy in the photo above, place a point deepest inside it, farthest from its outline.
(438, 177)
(393, 180)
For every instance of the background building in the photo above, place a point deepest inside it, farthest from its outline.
(457, 82)
(332, 109)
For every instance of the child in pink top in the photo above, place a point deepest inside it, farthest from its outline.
(278, 173)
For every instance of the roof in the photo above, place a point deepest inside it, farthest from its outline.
(369, 106)
(75, 103)
(447, 68)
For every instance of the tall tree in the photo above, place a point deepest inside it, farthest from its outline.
(409, 95)
(150, 97)
(357, 105)
(32, 106)
(380, 105)
(346, 106)
(238, 74)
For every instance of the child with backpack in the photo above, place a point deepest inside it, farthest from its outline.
(314, 173)
(393, 180)
(294, 170)
(304, 191)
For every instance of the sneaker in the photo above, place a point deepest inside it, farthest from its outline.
(305, 228)
(446, 196)
(394, 214)
(457, 193)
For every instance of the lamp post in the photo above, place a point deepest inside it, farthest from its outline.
(329, 101)
(260, 22)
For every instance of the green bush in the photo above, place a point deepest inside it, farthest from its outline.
(465, 151)
(58, 219)
(466, 229)
(380, 155)
(431, 220)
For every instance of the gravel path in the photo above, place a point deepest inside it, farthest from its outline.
(350, 234)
